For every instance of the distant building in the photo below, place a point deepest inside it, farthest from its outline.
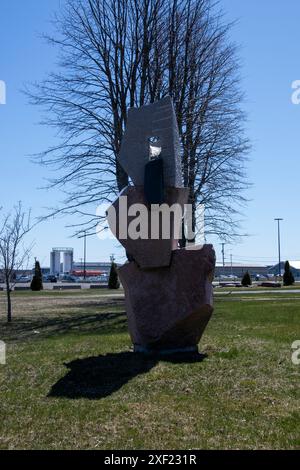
(62, 262)
(294, 265)
(96, 268)
(238, 269)
(56, 267)
(91, 268)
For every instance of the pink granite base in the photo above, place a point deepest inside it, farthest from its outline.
(170, 307)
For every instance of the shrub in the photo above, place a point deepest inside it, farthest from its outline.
(246, 281)
(288, 277)
(113, 282)
(37, 280)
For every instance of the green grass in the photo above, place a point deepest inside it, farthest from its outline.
(71, 383)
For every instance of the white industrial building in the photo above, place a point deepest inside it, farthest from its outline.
(58, 267)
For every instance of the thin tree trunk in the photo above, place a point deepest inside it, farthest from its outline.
(9, 308)
(122, 177)
(182, 241)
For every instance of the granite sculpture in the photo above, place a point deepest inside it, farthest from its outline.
(157, 120)
(168, 290)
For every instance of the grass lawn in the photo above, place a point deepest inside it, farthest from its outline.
(71, 381)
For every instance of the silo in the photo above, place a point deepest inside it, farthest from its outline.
(68, 261)
(54, 262)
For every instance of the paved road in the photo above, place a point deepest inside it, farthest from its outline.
(65, 285)
(226, 291)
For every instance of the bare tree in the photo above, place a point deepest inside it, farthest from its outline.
(204, 83)
(115, 54)
(13, 254)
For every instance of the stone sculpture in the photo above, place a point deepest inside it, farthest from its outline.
(168, 290)
(155, 120)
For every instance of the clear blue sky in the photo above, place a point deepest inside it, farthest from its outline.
(269, 36)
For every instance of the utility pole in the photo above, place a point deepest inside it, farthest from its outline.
(278, 236)
(231, 262)
(223, 254)
(84, 256)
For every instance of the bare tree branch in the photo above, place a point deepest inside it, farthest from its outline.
(13, 253)
(123, 53)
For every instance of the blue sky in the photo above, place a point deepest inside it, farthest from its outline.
(269, 36)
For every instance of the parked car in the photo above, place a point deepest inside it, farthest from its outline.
(68, 278)
(89, 279)
(101, 278)
(259, 277)
(23, 278)
(50, 278)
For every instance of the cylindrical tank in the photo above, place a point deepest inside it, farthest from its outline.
(54, 262)
(68, 261)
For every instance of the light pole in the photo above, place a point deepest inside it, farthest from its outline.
(84, 256)
(223, 254)
(278, 235)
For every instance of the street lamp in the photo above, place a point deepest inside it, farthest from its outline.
(84, 257)
(223, 254)
(84, 254)
(278, 235)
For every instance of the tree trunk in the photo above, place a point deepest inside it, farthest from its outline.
(9, 309)
(182, 241)
(122, 177)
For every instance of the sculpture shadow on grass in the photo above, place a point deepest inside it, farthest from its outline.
(100, 323)
(98, 377)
